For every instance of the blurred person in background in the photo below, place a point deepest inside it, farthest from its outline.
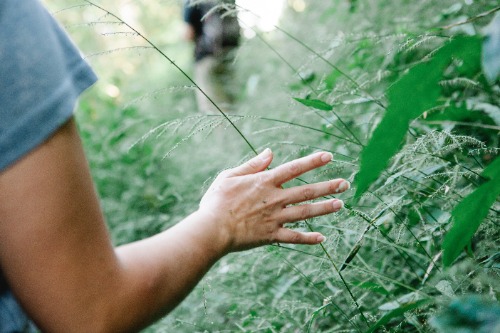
(214, 28)
(59, 271)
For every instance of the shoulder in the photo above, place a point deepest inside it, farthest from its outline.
(40, 80)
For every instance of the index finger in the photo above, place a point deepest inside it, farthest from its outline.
(295, 168)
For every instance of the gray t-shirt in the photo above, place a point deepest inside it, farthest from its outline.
(41, 76)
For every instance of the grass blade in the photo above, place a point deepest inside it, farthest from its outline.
(470, 212)
(315, 103)
(397, 312)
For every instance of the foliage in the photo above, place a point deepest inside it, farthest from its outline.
(469, 314)
(396, 313)
(470, 212)
(405, 94)
(408, 98)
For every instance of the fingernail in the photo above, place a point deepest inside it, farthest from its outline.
(326, 157)
(320, 239)
(264, 156)
(343, 186)
(338, 204)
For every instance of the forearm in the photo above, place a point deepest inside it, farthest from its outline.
(149, 279)
(189, 33)
(159, 272)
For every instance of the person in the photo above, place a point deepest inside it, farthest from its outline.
(216, 35)
(59, 270)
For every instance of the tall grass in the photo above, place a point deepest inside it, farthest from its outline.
(320, 81)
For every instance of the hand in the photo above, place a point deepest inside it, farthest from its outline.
(249, 207)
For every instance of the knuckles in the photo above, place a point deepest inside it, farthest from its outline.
(262, 180)
(294, 169)
(295, 238)
(254, 164)
(304, 212)
(308, 194)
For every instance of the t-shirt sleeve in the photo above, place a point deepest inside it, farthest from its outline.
(192, 14)
(41, 76)
(187, 11)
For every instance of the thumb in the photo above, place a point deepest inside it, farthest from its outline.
(256, 164)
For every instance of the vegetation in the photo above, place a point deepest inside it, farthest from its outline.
(404, 93)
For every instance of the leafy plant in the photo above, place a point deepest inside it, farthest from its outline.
(470, 212)
(405, 94)
(416, 92)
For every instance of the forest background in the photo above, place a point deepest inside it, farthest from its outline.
(405, 94)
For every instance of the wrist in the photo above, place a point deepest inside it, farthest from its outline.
(206, 230)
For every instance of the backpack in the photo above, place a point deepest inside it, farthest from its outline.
(221, 30)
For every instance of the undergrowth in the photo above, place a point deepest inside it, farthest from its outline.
(326, 79)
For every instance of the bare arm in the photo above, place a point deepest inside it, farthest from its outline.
(56, 253)
(189, 33)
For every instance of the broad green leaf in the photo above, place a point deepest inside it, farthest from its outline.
(315, 104)
(470, 212)
(397, 313)
(414, 93)
(491, 49)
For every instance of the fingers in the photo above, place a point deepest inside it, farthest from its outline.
(306, 211)
(254, 165)
(282, 173)
(294, 237)
(293, 169)
(312, 191)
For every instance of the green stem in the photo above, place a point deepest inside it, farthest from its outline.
(179, 69)
(330, 259)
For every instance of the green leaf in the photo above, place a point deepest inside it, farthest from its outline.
(315, 104)
(331, 79)
(397, 313)
(470, 212)
(372, 286)
(414, 93)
